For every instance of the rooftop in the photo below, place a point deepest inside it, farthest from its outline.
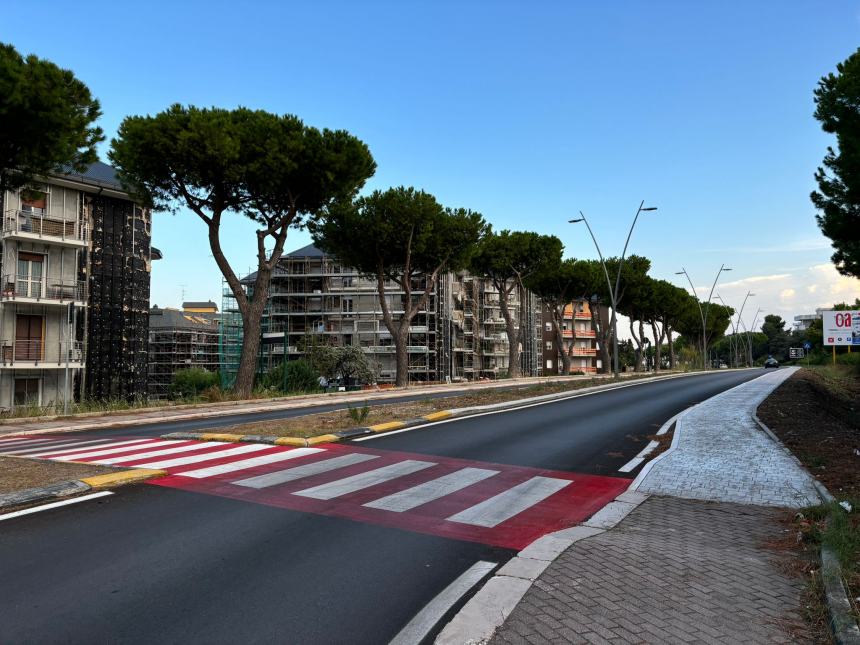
(97, 174)
(169, 318)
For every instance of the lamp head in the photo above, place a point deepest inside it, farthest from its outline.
(649, 208)
(574, 221)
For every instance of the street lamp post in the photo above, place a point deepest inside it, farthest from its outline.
(750, 332)
(704, 313)
(613, 292)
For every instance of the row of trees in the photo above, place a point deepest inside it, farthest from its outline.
(280, 173)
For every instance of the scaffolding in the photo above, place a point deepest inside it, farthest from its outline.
(180, 340)
(229, 337)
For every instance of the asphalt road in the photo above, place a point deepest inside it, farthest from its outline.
(154, 563)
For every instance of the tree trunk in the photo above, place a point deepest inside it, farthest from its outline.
(604, 337)
(512, 332)
(637, 367)
(658, 344)
(559, 339)
(401, 349)
(671, 342)
(252, 317)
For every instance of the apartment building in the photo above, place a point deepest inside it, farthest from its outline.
(181, 339)
(579, 340)
(458, 335)
(74, 275)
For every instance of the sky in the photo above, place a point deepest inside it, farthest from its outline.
(527, 112)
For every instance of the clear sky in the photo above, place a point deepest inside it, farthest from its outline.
(524, 111)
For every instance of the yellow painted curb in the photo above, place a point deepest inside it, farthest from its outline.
(385, 427)
(436, 416)
(216, 436)
(323, 438)
(291, 441)
(124, 477)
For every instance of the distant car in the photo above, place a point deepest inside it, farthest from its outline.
(771, 362)
(723, 366)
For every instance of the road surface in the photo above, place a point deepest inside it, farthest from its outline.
(225, 557)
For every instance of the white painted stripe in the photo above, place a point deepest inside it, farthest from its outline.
(250, 463)
(365, 480)
(45, 507)
(195, 459)
(501, 507)
(55, 447)
(300, 472)
(29, 444)
(638, 459)
(112, 449)
(200, 445)
(416, 630)
(434, 489)
(11, 440)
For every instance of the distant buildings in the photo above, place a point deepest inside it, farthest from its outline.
(579, 341)
(804, 321)
(181, 340)
(74, 290)
(459, 335)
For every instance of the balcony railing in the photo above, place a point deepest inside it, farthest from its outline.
(581, 351)
(580, 333)
(43, 226)
(19, 286)
(37, 353)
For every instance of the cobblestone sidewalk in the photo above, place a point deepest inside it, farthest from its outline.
(673, 571)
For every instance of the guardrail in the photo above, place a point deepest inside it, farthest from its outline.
(21, 353)
(41, 225)
(19, 286)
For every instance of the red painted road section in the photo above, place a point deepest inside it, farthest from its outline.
(573, 504)
(584, 496)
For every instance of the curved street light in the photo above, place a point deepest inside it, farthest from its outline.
(613, 292)
(704, 313)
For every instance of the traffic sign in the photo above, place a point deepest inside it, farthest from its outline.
(841, 327)
(807, 346)
(795, 352)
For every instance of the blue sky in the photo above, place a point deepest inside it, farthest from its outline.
(526, 112)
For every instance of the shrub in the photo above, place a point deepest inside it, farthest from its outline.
(301, 377)
(191, 382)
(852, 359)
(358, 415)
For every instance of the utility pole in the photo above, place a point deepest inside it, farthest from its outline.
(704, 313)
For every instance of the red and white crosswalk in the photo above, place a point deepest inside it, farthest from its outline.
(501, 505)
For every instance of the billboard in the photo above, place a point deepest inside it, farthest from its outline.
(841, 327)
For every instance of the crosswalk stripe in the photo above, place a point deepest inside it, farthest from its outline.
(194, 459)
(250, 463)
(365, 480)
(117, 447)
(29, 443)
(155, 453)
(55, 446)
(299, 472)
(505, 505)
(428, 491)
(6, 440)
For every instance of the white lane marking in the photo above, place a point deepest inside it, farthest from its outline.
(638, 459)
(113, 449)
(25, 440)
(299, 472)
(645, 381)
(69, 446)
(676, 437)
(365, 480)
(434, 489)
(416, 630)
(28, 444)
(45, 507)
(200, 445)
(250, 463)
(492, 512)
(194, 459)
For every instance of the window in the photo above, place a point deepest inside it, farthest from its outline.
(346, 304)
(34, 201)
(549, 345)
(30, 275)
(27, 391)
(549, 326)
(549, 364)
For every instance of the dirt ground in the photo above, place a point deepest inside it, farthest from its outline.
(18, 473)
(815, 414)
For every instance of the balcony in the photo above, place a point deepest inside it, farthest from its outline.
(582, 351)
(34, 227)
(37, 354)
(580, 333)
(21, 288)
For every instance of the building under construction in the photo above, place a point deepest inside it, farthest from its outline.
(458, 335)
(181, 340)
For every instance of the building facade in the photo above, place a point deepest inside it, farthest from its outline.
(181, 340)
(74, 274)
(579, 340)
(458, 335)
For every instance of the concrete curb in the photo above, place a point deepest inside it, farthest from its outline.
(441, 415)
(845, 629)
(485, 612)
(77, 486)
